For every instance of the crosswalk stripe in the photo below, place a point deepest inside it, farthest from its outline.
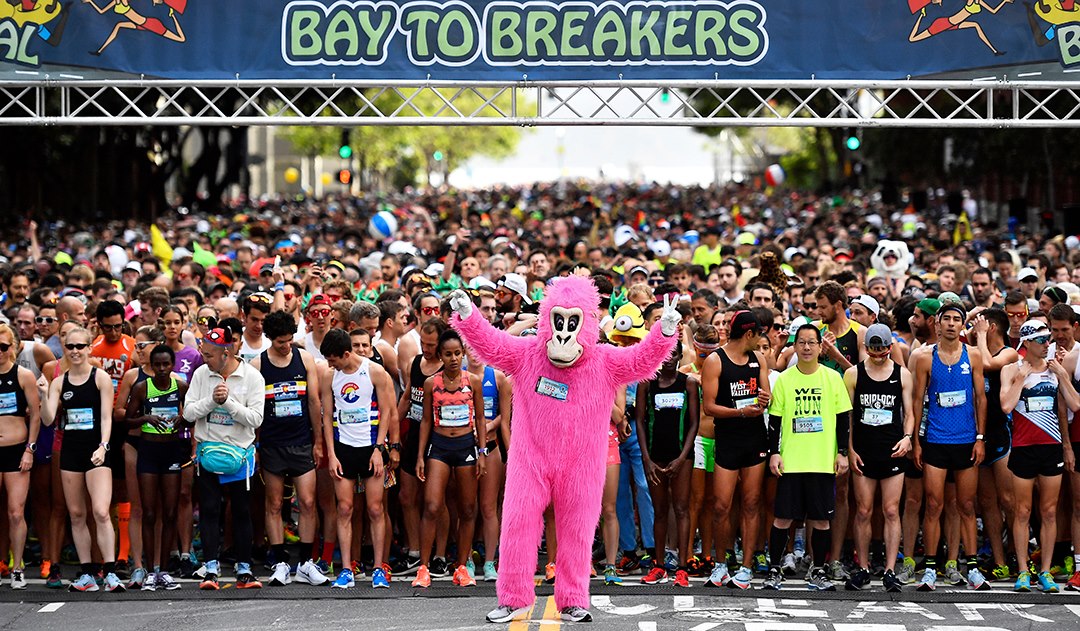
(51, 607)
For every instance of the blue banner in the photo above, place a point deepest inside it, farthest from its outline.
(504, 40)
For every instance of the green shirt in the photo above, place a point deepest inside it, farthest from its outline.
(808, 405)
(707, 258)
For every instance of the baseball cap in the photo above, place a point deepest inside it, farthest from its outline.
(867, 301)
(660, 248)
(746, 238)
(319, 300)
(878, 335)
(792, 252)
(1027, 273)
(133, 266)
(1033, 329)
(623, 235)
(638, 269)
(929, 306)
(794, 327)
(516, 283)
(218, 337)
(742, 323)
(842, 255)
(481, 283)
(949, 296)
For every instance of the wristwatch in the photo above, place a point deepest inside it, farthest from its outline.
(980, 437)
(395, 446)
(482, 451)
(105, 445)
(383, 450)
(842, 452)
(31, 447)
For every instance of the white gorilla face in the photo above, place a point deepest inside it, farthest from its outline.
(563, 349)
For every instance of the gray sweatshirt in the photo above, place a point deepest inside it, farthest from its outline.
(233, 422)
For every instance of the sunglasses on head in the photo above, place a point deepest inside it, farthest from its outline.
(44, 319)
(260, 297)
(76, 346)
(209, 321)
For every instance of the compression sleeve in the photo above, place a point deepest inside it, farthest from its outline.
(775, 423)
(842, 431)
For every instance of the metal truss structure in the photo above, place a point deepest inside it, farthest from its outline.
(920, 103)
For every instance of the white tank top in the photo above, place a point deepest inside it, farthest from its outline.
(353, 425)
(26, 359)
(313, 348)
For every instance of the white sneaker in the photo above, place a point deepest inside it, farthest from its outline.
(505, 613)
(280, 576)
(309, 573)
(18, 579)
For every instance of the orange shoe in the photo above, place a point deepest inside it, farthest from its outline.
(592, 571)
(386, 569)
(423, 577)
(5, 569)
(46, 567)
(462, 578)
(1074, 582)
(549, 573)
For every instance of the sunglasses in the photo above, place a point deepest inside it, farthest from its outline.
(1042, 339)
(810, 305)
(878, 351)
(319, 313)
(430, 311)
(112, 327)
(777, 326)
(206, 320)
(75, 346)
(4, 347)
(44, 319)
(289, 296)
(260, 297)
(144, 345)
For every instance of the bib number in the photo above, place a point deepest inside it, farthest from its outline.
(1039, 404)
(808, 425)
(79, 419)
(454, 415)
(416, 412)
(876, 418)
(220, 416)
(353, 417)
(745, 403)
(952, 399)
(556, 390)
(287, 409)
(8, 404)
(165, 413)
(670, 400)
(489, 407)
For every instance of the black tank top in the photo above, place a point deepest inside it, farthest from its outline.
(12, 397)
(997, 421)
(82, 410)
(738, 389)
(665, 419)
(286, 419)
(416, 392)
(878, 421)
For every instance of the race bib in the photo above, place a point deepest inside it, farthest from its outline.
(1039, 404)
(489, 407)
(286, 409)
(220, 416)
(670, 400)
(807, 425)
(745, 403)
(79, 419)
(454, 415)
(8, 405)
(556, 390)
(416, 412)
(353, 417)
(952, 399)
(165, 413)
(876, 418)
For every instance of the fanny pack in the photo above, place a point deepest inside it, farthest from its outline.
(223, 458)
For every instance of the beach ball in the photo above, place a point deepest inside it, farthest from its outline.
(383, 225)
(774, 175)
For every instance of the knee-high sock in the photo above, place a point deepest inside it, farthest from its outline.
(820, 543)
(777, 541)
(123, 521)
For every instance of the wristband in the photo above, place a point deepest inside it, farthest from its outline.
(279, 286)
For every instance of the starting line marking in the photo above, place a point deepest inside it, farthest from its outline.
(51, 607)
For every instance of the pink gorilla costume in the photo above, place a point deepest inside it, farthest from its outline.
(564, 389)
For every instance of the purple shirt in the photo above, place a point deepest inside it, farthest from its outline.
(187, 360)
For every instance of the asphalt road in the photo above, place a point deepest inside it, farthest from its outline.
(444, 606)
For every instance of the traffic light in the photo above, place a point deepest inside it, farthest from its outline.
(344, 176)
(438, 155)
(346, 149)
(852, 140)
(665, 95)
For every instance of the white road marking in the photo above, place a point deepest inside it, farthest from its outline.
(646, 626)
(864, 608)
(768, 604)
(1028, 74)
(970, 611)
(682, 603)
(51, 607)
(603, 603)
(706, 626)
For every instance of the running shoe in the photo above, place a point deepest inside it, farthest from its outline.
(928, 582)
(138, 579)
(549, 573)
(742, 578)
(611, 576)
(836, 571)
(121, 568)
(976, 580)
(787, 564)
(187, 566)
(1047, 584)
(46, 568)
(328, 568)
(682, 579)
(695, 567)
(490, 574)
(1074, 582)
(18, 579)
(378, 579)
(505, 613)
(113, 584)
(149, 583)
(891, 582)
(671, 560)
(247, 580)
(720, 576)
(462, 577)
(280, 575)
(1001, 573)
(656, 576)
(55, 580)
(628, 563)
(907, 572)
(358, 569)
(953, 575)
(438, 567)
(423, 577)
(1023, 582)
(819, 581)
(859, 579)
(86, 583)
(387, 573)
(575, 614)
(470, 566)
(761, 563)
(344, 580)
(162, 580)
(773, 580)
(1059, 570)
(309, 573)
(209, 582)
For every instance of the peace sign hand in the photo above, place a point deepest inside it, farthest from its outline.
(670, 319)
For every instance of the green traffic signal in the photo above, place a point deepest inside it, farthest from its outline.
(853, 143)
(438, 155)
(345, 152)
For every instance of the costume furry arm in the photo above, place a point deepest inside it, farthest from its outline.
(640, 361)
(491, 346)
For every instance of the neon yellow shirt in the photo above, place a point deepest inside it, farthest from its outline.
(808, 405)
(707, 258)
